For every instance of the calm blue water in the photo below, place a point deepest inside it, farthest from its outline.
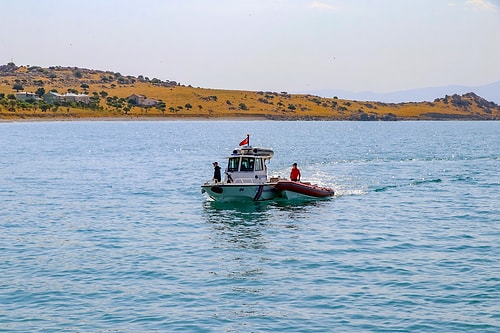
(103, 228)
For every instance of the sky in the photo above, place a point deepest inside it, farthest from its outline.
(263, 45)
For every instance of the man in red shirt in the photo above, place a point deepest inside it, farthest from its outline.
(295, 173)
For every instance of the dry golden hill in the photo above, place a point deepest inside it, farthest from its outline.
(110, 94)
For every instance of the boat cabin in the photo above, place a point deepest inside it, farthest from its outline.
(248, 165)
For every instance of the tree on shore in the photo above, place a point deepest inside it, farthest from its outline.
(40, 92)
(17, 87)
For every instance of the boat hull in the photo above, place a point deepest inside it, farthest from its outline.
(298, 190)
(240, 192)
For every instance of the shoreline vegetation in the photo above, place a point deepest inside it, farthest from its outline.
(33, 93)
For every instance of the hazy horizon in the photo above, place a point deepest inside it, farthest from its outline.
(272, 45)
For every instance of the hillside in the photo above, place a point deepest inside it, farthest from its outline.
(109, 98)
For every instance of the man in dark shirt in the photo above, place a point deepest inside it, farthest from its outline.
(217, 175)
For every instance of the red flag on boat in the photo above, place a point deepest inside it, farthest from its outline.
(245, 141)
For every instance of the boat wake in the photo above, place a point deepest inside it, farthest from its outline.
(343, 192)
(414, 183)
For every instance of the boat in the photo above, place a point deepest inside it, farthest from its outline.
(246, 179)
(302, 190)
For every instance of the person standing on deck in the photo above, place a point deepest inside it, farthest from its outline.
(217, 175)
(295, 173)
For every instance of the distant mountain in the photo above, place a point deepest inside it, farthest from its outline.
(490, 92)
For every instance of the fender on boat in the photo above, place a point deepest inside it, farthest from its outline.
(217, 189)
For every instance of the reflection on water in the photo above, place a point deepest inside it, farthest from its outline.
(298, 205)
(250, 213)
(254, 240)
(241, 225)
(237, 224)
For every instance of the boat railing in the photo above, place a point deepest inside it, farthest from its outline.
(247, 181)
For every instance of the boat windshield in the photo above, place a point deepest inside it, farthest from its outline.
(233, 164)
(247, 163)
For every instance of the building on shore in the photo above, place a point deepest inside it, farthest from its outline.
(141, 100)
(53, 97)
(27, 96)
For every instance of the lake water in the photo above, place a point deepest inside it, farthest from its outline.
(103, 228)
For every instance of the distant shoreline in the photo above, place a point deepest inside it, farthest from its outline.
(33, 93)
(138, 118)
(194, 118)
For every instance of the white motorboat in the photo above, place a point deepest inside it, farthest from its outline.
(246, 179)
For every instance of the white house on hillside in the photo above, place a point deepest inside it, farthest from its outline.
(142, 100)
(24, 96)
(69, 97)
(52, 97)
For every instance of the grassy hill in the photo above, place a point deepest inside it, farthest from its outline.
(110, 92)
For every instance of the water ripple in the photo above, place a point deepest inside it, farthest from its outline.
(104, 229)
